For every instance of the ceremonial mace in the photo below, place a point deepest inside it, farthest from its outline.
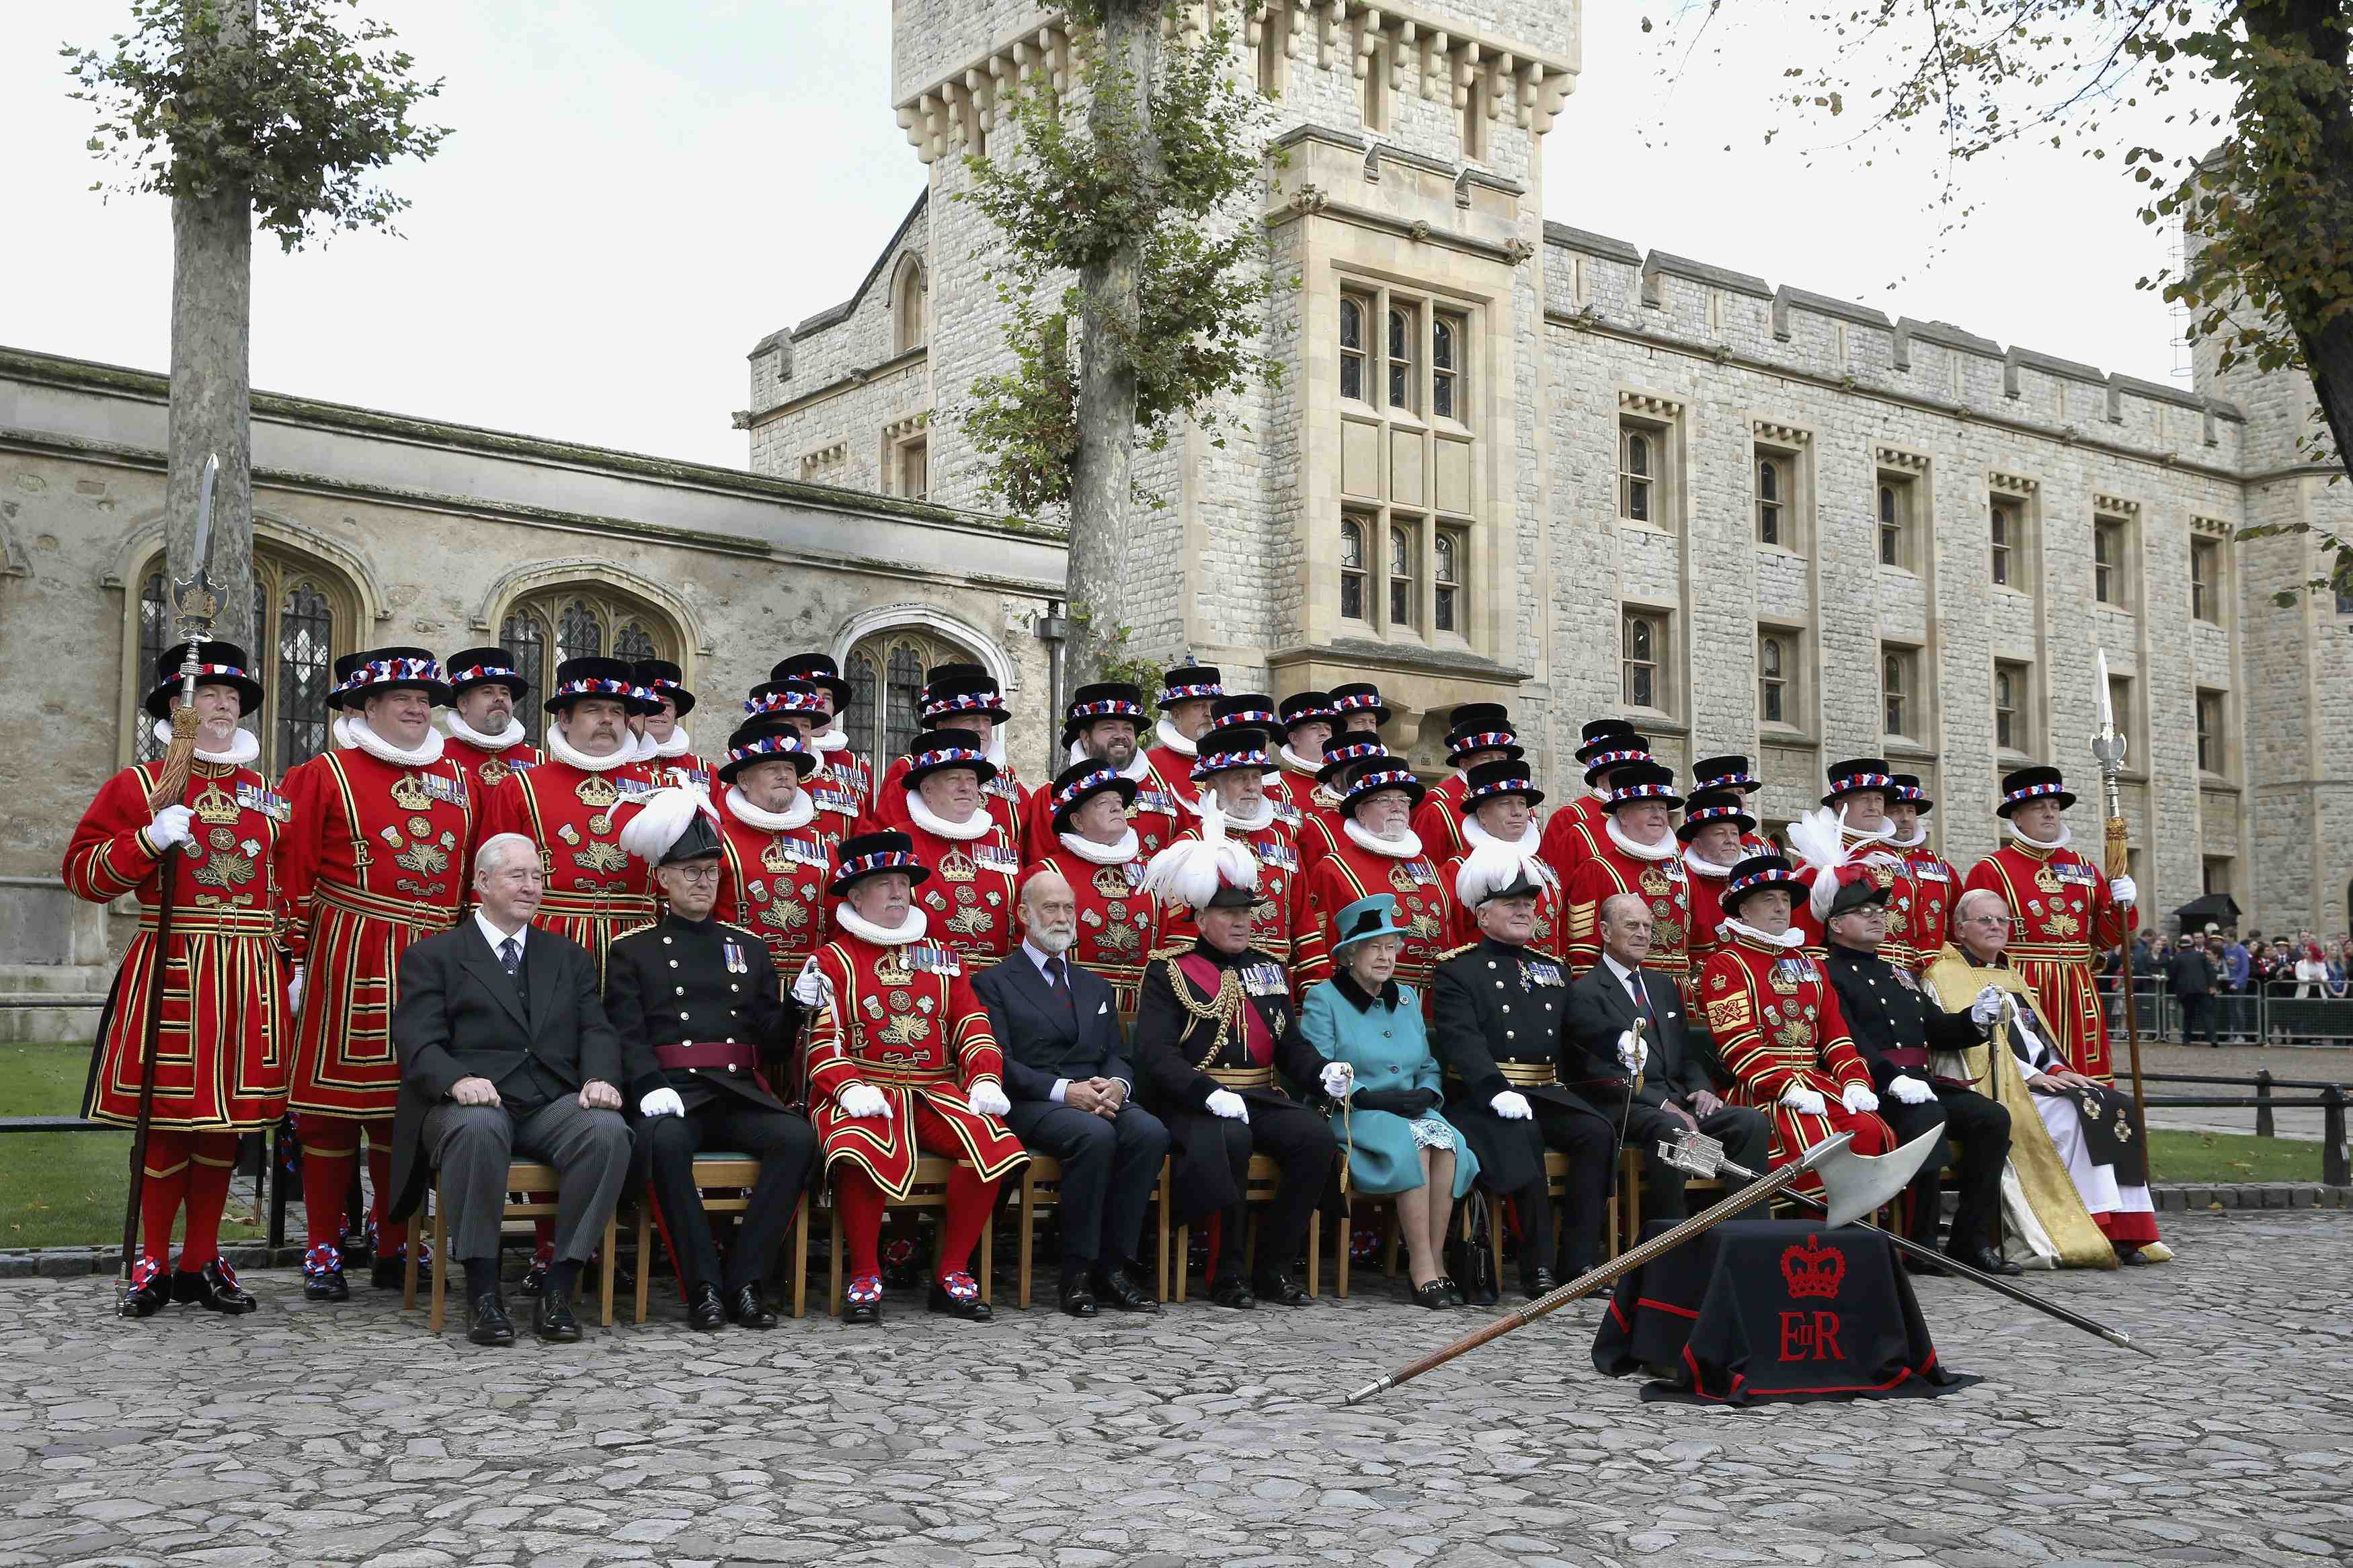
(1857, 1185)
(2108, 750)
(193, 596)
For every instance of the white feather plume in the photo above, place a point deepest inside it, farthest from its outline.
(655, 825)
(1187, 872)
(1820, 838)
(1492, 863)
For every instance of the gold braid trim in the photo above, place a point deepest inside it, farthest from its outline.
(1224, 1009)
(1454, 952)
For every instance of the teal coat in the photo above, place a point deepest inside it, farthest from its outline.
(1390, 1051)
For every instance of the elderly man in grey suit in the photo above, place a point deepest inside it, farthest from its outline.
(1067, 1075)
(504, 1050)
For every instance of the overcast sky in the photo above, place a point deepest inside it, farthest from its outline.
(638, 192)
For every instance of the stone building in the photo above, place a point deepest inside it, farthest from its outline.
(1514, 459)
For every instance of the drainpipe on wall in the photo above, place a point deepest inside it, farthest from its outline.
(1053, 628)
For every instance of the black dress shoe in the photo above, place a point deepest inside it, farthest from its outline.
(1538, 1282)
(326, 1285)
(213, 1287)
(1077, 1299)
(749, 1308)
(1232, 1293)
(151, 1295)
(1434, 1296)
(2130, 1257)
(1118, 1288)
(392, 1273)
(1984, 1259)
(1283, 1290)
(958, 1303)
(488, 1323)
(551, 1319)
(704, 1314)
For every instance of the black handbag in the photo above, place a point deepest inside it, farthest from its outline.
(1471, 1261)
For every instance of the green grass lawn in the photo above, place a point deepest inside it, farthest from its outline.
(64, 1189)
(2225, 1159)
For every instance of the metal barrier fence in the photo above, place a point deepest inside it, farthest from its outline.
(2268, 1015)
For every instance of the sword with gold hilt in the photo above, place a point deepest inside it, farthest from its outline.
(2108, 749)
(1626, 1110)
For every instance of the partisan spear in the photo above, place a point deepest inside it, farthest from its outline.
(198, 604)
(2108, 750)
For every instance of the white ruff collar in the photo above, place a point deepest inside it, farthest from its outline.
(1172, 738)
(977, 825)
(831, 738)
(1793, 937)
(242, 750)
(1882, 834)
(678, 745)
(912, 929)
(564, 750)
(2026, 841)
(513, 735)
(352, 729)
(1709, 869)
(1666, 848)
(794, 816)
(1137, 771)
(1914, 842)
(1404, 847)
(1292, 760)
(1096, 854)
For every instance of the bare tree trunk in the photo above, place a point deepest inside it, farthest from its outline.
(1102, 474)
(212, 318)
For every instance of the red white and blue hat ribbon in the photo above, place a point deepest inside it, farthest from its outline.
(391, 672)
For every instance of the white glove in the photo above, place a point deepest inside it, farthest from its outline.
(1986, 1009)
(2123, 890)
(661, 1102)
(1803, 1101)
(294, 991)
(171, 827)
(1858, 1099)
(810, 986)
(1225, 1102)
(1512, 1106)
(1339, 1078)
(1910, 1090)
(1633, 1052)
(863, 1099)
(987, 1100)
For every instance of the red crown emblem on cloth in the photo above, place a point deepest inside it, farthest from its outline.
(1813, 1270)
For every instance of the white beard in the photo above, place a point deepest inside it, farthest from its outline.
(2066, 837)
(353, 729)
(1235, 821)
(512, 735)
(1666, 848)
(1174, 739)
(1406, 845)
(795, 815)
(912, 929)
(244, 746)
(564, 750)
(1095, 854)
(1052, 943)
(977, 825)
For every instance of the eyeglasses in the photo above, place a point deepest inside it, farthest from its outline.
(707, 872)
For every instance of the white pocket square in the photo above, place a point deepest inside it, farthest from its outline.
(1102, 1007)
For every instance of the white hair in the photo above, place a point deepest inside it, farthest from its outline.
(496, 848)
(1617, 900)
(1040, 882)
(1977, 895)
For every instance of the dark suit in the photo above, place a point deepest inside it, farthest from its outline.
(680, 981)
(1601, 1008)
(538, 1037)
(2194, 982)
(1109, 1165)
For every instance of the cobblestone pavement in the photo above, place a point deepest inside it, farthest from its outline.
(344, 1435)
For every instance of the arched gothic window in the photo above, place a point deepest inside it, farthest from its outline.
(907, 307)
(574, 620)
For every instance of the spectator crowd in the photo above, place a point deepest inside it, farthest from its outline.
(2198, 967)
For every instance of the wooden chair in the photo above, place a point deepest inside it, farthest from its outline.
(1265, 1176)
(1630, 1192)
(1556, 1188)
(929, 1191)
(721, 1170)
(1041, 1187)
(524, 1176)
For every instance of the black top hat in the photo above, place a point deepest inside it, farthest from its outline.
(218, 664)
(955, 689)
(1102, 699)
(1608, 735)
(864, 855)
(768, 737)
(936, 750)
(472, 667)
(956, 670)
(1255, 709)
(1081, 783)
(1369, 778)
(1490, 781)
(819, 670)
(1353, 697)
(787, 697)
(2027, 784)
(1481, 727)
(1610, 752)
(1909, 792)
(593, 674)
(1724, 773)
(1643, 780)
(663, 679)
(1757, 874)
(1230, 747)
(1190, 683)
(1856, 775)
(1706, 805)
(1307, 707)
(360, 675)
(1337, 758)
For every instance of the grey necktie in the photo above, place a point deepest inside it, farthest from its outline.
(511, 954)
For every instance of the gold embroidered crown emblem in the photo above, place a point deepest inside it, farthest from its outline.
(215, 804)
(598, 793)
(409, 793)
(958, 866)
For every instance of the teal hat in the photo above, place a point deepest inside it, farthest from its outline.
(1371, 916)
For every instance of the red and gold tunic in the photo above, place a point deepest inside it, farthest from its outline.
(595, 889)
(903, 1020)
(1319, 819)
(221, 1051)
(1571, 834)
(1276, 920)
(1776, 1022)
(1439, 818)
(379, 856)
(487, 769)
(2059, 914)
(1662, 884)
(1707, 892)
(684, 771)
(846, 773)
(771, 883)
(1351, 872)
(1935, 886)
(1117, 919)
(975, 887)
(1154, 815)
(1002, 795)
(1887, 869)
